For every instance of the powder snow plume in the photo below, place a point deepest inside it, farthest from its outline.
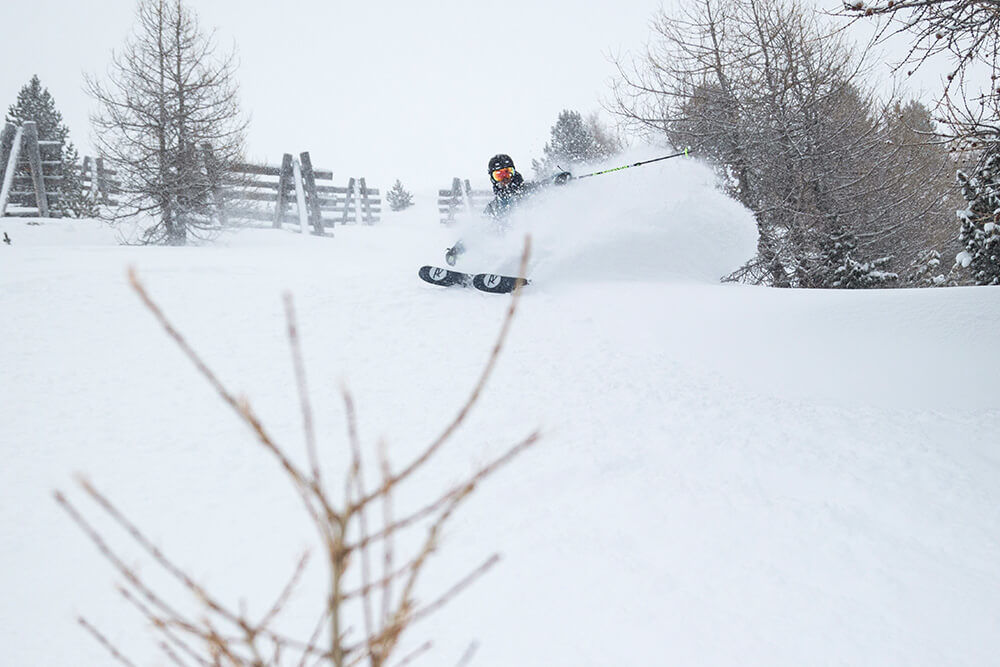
(664, 221)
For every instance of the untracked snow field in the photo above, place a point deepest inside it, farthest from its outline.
(726, 475)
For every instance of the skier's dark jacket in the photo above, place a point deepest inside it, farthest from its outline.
(507, 195)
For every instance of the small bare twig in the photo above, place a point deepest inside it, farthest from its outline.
(414, 654)
(300, 382)
(387, 545)
(286, 593)
(468, 655)
(164, 627)
(115, 653)
(155, 552)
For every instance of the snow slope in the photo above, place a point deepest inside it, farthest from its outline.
(727, 475)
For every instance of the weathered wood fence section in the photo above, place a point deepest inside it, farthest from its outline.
(295, 192)
(31, 178)
(461, 198)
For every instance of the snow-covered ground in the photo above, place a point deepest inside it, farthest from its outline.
(727, 475)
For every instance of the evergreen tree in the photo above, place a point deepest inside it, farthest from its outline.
(925, 270)
(607, 142)
(35, 103)
(837, 267)
(574, 140)
(980, 232)
(398, 198)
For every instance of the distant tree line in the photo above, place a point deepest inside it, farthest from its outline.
(849, 188)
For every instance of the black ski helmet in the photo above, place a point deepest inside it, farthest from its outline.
(499, 162)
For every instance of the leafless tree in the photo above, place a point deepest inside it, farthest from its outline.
(779, 102)
(169, 120)
(967, 32)
(365, 537)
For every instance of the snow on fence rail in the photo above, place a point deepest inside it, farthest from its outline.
(461, 197)
(268, 192)
(30, 174)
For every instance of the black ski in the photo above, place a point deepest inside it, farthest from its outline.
(484, 282)
(497, 284)
(435, 275)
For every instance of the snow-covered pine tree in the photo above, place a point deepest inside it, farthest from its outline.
(398, 197)
(607, 141)
(838, 269)
(925, 270)
(574, 140)
(35, 103)
(980, 231)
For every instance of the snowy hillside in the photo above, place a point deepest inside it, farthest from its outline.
(727, 475)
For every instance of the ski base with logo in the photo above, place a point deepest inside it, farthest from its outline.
(497, 284)
(435, 275)
(485, 282)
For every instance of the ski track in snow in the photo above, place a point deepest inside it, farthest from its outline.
(727, 475)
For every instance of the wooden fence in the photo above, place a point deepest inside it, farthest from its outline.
(269, 193)
(292, 192)
(461, 198)
(31, 178)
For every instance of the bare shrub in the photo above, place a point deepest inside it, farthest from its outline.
(357, 536)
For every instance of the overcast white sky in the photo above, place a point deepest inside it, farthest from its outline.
(421, 91)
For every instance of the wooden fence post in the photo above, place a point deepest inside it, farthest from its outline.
(215, 183)
(300, 198)
(89, 170)
(456, 198)
(309, 181)
(468, 196)
(284, 183)
(8, 176)
(348, 201)
(6, 144)
(102, 181)
(35, 162)
(365, 204)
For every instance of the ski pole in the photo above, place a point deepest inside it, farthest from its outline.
(685, 152)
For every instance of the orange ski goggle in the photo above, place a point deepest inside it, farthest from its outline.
(505, 174)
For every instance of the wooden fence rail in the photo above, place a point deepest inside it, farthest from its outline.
(296, 182)
(461, 198)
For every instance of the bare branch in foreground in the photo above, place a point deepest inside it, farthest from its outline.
(384, 606)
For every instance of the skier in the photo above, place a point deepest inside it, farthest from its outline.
(509, 188)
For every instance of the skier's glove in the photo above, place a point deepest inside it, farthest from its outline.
(562, 178)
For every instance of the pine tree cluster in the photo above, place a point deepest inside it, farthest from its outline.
(837, 266)
(980, 231)
(398, 197)
(575, 140)
(35, 103)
